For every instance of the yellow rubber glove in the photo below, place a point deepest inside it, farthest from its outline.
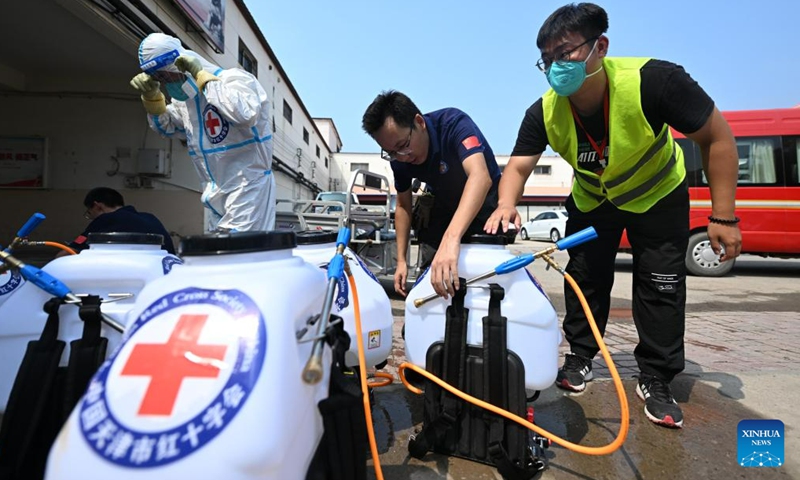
(152, 98)
(188, 64)
(194, 67)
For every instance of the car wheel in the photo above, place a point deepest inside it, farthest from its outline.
(524, 234)
(701, 259)
(554, 235)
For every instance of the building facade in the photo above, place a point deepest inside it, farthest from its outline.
(72, 122)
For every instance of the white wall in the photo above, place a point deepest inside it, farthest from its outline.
(343, 165)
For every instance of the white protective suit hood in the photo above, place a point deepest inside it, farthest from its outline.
(228, 131)
(158, 44)
(157, 54)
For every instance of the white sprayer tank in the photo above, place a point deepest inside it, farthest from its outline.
(207, 384)
(532, 330)
(10, 281)
(317, 247)
(114, 263)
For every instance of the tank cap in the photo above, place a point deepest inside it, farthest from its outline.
(486, 239)
(129, 238)
(316, 237)
(237, 242)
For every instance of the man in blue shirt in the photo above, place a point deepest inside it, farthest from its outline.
(447, 151)
(107, 211)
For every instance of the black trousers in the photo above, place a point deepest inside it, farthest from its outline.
(659, 238)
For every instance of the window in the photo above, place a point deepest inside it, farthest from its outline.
(359, 166)
(326, 159)
(542, 170)
(759, 161)
(791, 152)
(305, 136)
(692, 160)
(317, 151)
(247, 60)
(287, 112)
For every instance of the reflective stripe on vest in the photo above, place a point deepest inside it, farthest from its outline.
(645, 187)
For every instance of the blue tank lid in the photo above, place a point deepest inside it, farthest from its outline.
(129, 238)
(316, 237)
(237, 242)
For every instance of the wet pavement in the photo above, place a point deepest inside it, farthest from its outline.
(742, 346)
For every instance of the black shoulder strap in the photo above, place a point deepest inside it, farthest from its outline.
(495, 357)
(86, 354)
(453, 372)
(495, 350)
(27, 430)
(342, 453)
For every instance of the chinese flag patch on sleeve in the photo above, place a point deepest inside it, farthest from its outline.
(80, 240)
(471, 142)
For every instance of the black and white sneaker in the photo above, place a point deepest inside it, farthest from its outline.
(575, 373)
(659, 405)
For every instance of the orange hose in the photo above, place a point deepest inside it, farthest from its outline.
(623, 401)
(363, 374)
(388, 379)
(61, 246)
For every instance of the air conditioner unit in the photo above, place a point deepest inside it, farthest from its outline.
(153, 162)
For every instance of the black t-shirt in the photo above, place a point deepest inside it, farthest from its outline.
(669, 96)
(128, 220)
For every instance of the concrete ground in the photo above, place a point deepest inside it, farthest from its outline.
(742, 342)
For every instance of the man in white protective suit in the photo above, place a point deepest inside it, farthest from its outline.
(224, 116)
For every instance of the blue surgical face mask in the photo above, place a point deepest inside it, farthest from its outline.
(175, 90)
(567, 78)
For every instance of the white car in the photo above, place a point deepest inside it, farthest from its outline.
(549, 225)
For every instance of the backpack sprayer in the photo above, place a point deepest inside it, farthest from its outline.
(510, 266)
(504, 268)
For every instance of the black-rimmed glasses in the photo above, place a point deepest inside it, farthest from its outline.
(390, 155)
(544, 63)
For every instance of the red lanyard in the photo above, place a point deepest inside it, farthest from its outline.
(601, 150)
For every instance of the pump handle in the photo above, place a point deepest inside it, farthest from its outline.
(30, 225)
(576, 239)
(343, 238)
(514, 264)
(336, 267)
(44, 280)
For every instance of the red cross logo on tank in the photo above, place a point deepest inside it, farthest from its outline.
(190, 362)
(214, 124)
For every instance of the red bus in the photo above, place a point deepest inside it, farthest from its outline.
(768, 192)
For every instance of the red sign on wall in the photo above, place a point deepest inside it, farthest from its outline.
(22, 162)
